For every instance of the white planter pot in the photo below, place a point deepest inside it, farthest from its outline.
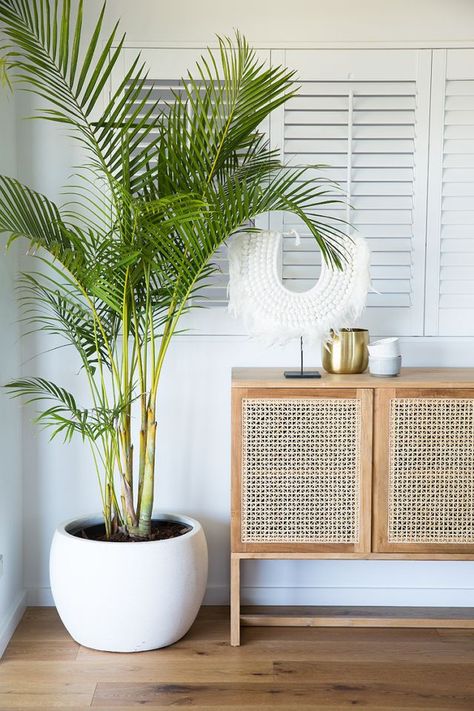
(128, 597)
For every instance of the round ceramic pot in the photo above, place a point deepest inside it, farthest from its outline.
(128, 597)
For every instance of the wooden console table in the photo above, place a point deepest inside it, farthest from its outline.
(352, 467)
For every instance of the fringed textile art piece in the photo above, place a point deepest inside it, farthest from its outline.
(273, 312)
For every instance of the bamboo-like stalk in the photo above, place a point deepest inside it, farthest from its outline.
(146, 508)
(141, 361)
(142, 458)
(127, 483)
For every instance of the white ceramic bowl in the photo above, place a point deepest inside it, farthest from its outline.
(386, 367)
(386, 347)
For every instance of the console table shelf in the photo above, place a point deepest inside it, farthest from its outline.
(352, 467)
(360, 616)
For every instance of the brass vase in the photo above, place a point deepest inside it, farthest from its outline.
(346, 351)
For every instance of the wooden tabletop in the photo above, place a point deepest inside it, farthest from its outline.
(408, 378)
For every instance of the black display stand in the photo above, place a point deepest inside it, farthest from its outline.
(301, 373)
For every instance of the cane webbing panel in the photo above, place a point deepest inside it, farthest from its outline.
(431, 474)
(300, 470)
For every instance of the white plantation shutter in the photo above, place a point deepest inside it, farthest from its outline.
(364, 113)
(450, 257)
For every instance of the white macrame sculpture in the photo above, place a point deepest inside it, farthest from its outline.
(273, 312)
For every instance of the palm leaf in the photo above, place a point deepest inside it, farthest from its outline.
(64, 416)
(57, 308)
(46, 43)
(26, 213)
(4, 78)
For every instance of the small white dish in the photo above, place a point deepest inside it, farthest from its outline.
(385, 367)
(385, 347)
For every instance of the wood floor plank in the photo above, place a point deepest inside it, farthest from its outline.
(38, 623)
(52, 684)
(144, 669)
(432, 678)
(39, 650)
(259, 646)
(355, 634)
(236, 707)
(219, 629)
(424, 654)
(25, 700)
(291, 695)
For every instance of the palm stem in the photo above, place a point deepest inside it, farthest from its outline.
(146, 508)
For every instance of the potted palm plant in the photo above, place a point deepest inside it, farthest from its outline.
(157, 193)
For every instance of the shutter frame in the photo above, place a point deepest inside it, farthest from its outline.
(450, 259)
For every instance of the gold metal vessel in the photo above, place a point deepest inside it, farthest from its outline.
(346, 351)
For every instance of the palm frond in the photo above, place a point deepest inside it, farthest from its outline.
(4, 78)
(54, 61)
(65, 416)
(214, 119)
(56, 307)
(27, 213)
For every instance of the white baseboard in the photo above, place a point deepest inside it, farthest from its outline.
(347, 596)
(42, 597)
(320, 595)
(344, 595)
(12, 619)
(217, 595)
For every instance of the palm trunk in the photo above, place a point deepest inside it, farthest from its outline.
(129, 513)
(142, 458)
(108, 511)
(147, 494)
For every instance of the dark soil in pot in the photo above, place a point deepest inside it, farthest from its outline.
(160, 530)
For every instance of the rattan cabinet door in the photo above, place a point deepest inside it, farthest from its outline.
(301, 476)
(424, 471)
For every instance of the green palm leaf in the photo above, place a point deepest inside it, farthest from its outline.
(26, 213)
(64, 416)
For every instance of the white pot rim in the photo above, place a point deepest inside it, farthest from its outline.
(64, 528)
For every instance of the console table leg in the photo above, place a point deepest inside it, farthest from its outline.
(234, 600)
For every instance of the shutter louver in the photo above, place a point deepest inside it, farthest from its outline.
(382, 175)
(453, 197)
(370, 127)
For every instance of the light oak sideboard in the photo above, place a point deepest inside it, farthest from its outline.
(352, 466)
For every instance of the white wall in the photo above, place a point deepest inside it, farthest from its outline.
(193, 459)
(11, 503)
(278, 21)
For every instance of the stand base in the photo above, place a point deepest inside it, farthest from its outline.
(301, 374)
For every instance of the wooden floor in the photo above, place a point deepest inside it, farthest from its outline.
(275, 668)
